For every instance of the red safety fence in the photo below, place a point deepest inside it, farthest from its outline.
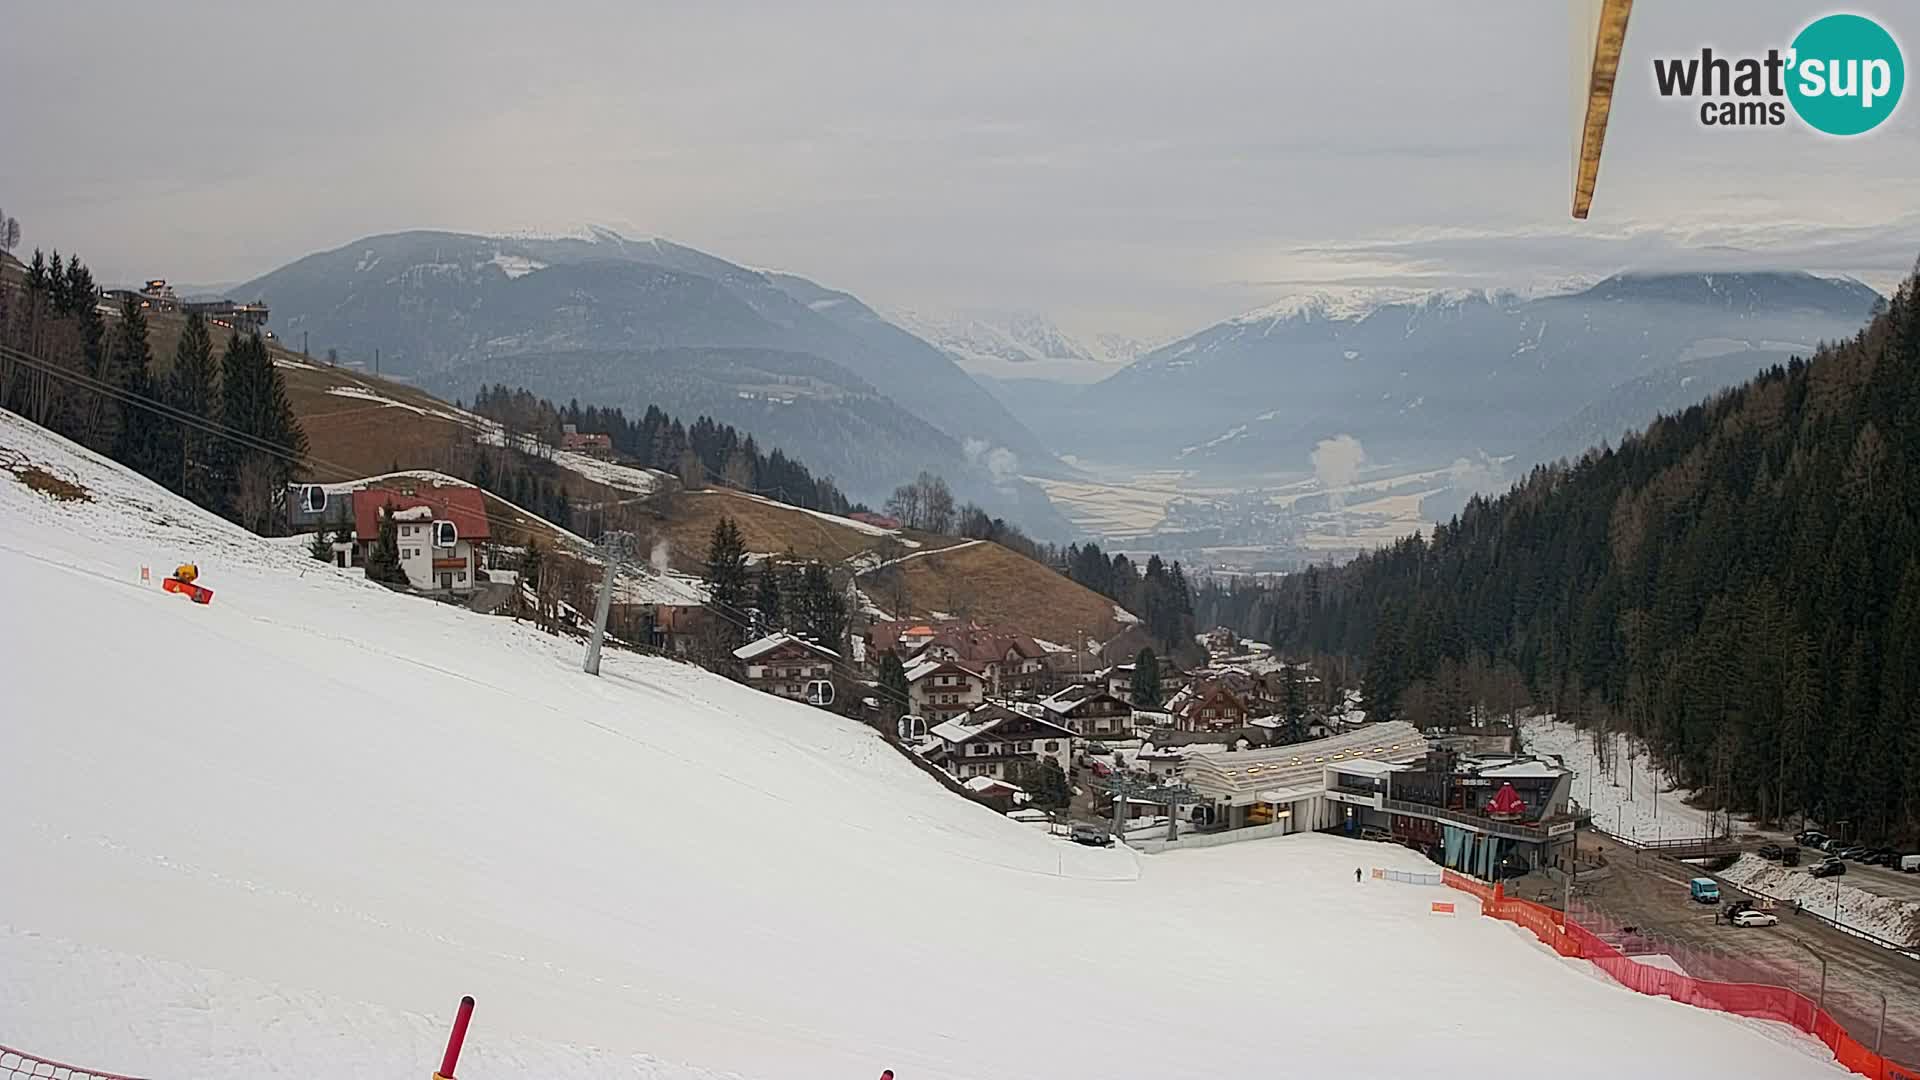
(18, 1065)
(1765, 1002)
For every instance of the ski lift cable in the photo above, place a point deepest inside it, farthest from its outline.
(737, 617)
(218, 429)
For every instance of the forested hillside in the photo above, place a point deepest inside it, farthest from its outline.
(1740, 584)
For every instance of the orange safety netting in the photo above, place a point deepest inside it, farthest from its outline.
(1569, 938)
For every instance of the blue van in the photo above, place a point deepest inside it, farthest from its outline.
(1704, 890)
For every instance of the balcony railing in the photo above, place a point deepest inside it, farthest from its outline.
(1512, 830)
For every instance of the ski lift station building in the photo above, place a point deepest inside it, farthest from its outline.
(1292, 789)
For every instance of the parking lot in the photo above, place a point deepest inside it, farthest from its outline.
(1650, 893)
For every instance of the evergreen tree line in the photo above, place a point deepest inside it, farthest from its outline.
(1159, 593)
(103, 385)
(528, 483)
(798, 596)
(705, 452)
(1739, 585)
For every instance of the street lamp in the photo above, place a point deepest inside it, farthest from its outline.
(1821, 1004)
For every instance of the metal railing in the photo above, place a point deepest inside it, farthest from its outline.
(1510, 829)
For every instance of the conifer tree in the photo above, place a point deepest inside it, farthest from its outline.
(1144, 688)
(894, 699)
(766, 598)
(138, 440)
(190, 388)
(726, 577)
(383, 561)
(264, 441)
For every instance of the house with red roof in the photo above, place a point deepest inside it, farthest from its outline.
(441, 531)
(1010, 661)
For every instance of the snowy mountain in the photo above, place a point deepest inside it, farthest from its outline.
(281, 834)
(1020, 345)
(613, 320)
(1428, 377)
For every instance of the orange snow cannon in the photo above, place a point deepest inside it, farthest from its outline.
(183, 581)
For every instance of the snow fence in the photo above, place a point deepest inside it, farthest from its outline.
(18, 1065)
(1570, 939)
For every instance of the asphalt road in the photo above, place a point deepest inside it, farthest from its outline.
(1650, 892)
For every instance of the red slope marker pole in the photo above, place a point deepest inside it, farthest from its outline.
(455, 1040)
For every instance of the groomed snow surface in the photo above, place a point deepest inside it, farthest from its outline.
(280, 835)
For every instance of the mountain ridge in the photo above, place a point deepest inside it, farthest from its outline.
(449, 310)
(1428, 376)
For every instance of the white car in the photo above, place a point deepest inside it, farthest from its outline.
(1751, 917)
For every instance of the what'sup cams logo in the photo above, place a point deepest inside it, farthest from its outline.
(1842, 75)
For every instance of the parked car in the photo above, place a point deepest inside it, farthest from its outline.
(1770, 852)
(1703, 891)
(1827, 867)
(1091, 835)
(1099, 768)
(1098, 748)
(1754, 917)
(1910, 863)
(1879, 857)
(1810, 838)
(1789, 856)
(1848, 851)
(1735, 907)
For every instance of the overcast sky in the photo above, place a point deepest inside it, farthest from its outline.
(1144, 168)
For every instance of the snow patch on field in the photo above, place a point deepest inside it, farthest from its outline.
(371, 804)
(1895, 920)
(361, 393)
(843, 522)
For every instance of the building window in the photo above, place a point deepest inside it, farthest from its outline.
(1053, 746)
(1023, 748)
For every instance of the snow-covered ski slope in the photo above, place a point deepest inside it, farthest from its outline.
(280, 836)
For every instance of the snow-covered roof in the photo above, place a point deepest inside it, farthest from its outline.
(1240, 775)
(753, 650)
(1524, 770)
(985, 719)
(1367, 767)
(927, 667)
(988, 783)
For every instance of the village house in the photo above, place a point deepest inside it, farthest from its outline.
(1221, 641)
(940, 690)
(1010, 662)
(1090, 713)
(1208, 705)
(785, 666)
(600, 446)
(439, 530)
(991, 740)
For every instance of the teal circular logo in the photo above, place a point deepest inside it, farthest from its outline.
(1846, 74)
